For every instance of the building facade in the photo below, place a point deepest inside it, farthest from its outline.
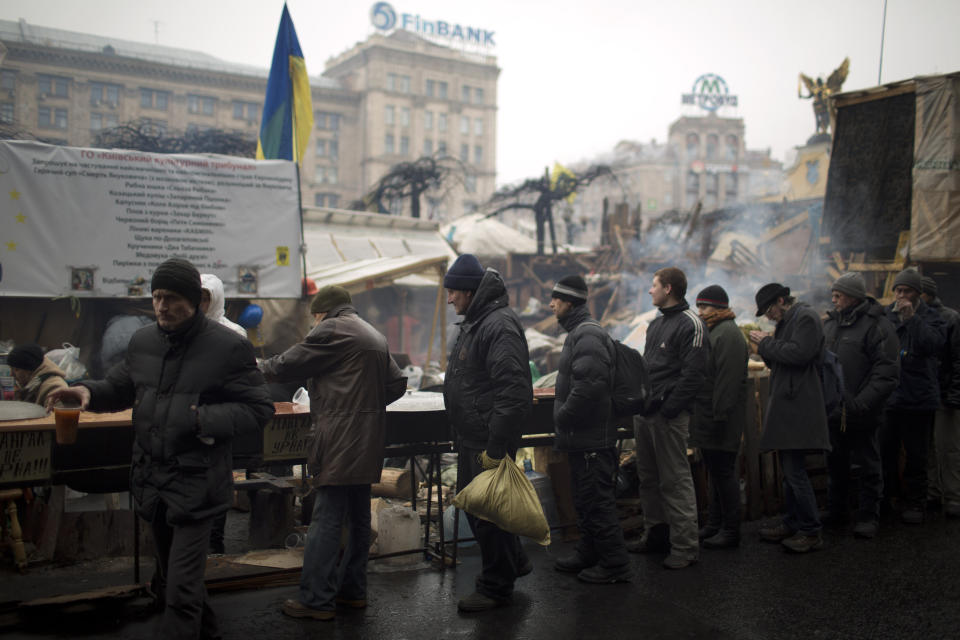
(389, 99)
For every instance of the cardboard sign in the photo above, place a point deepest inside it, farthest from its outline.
(286, 437)
(25, 457)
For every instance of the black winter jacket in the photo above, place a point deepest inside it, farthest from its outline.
(201, 381)
(866, 344)
(949, 356)
(487, 390)
(676, 354)
(582, 409)
(721, 410)
(921, 339)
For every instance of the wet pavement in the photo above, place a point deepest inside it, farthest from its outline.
(903, 584)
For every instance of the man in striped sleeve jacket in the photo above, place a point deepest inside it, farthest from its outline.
(676, 358)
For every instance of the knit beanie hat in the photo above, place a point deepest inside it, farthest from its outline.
(929, 286)
(768, 294)
(571, 289)
(465, 274)
(715, 296)
(329, 297)
(909, 277)
(179, 276)
(25, 356)
(851, 284)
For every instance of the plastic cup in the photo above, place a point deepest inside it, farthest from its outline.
(66, 417)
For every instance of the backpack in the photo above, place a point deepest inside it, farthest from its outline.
(831, 375)
(631, 384)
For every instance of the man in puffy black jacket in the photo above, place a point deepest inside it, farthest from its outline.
(866, 345)
(943, 469)
(193, 385)
(488, 393)
(585, 430)
(912, 406)
(676, 358)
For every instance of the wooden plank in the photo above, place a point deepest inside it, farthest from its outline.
(834, 274)
(875, 266)
(784, 227)
(838, 260)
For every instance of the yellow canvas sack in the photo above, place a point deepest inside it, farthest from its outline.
(505, 497)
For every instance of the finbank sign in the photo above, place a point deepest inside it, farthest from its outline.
(383, 17)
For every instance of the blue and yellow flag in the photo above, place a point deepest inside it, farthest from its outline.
(287, 110)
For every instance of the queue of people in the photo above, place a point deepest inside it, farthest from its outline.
(194, 384)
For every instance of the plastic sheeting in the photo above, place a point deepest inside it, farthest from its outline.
(935, 210)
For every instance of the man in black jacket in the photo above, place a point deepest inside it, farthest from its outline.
(488, 393)
(193, 385)
(676, 357)
(586, 430)
(866, 345)
(912, 406)
(943, 469)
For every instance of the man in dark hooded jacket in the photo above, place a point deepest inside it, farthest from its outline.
(866, 345)
(911, 408)
(193, 385)
(586, 430)
(488, 393)
(943, 468)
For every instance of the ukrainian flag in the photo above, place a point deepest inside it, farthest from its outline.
(288, 110)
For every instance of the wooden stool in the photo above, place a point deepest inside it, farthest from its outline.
(10, 496)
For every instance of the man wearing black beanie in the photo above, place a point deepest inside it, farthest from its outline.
(193, 385)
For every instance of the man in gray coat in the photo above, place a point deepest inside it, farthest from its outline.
(352, 378)
(795, 421)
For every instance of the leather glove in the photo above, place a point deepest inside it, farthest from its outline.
(487, 462)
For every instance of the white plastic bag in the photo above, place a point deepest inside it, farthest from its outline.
(68, 359)
(302, 397)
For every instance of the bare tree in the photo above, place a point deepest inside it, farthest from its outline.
(146, 136)
(540, 194)
(411, 180)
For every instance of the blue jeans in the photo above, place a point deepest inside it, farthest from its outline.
(325, 575)
(799, 499)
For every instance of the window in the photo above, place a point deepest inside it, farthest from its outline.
(470, 183)
(465, 93)
(391, 82)
(388, 143)
(428, 120)
(326, 175)
(713, 184)
(194, 128)
(693, 144)
(153, 99)
(442, 122)
(442, 147)
(328, 149)
(8, 80)
(433, 208)
(52, 86)
(327, 121)
(464, 152)
(427, 147)
(732, 146)
(200, 104)
(396, 206)
(712, 143)
(50, 118)
(693, 184)
(6, 112)
(477, 154)
(464, 125)
(430, 88)
(478, 96)
(404, 116)
(404, 84)
(469, 207)
(100, 121)
(388, 115)
(245, 110)
(331, 200)
(104, 94)
(404, 145)
(478, 126)
(398, 83)
(731, 186)
(442, 90)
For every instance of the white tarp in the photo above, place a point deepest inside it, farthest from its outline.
(482, 236)
(95, 223)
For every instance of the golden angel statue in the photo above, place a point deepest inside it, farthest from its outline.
(820, 93)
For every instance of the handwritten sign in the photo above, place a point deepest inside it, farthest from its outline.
(25, 456)
(287, 437)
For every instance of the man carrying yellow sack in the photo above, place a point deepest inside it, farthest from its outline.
(487, 393)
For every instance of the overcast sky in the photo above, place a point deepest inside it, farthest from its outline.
(577, 76)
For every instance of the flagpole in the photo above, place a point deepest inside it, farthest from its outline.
(296, 163)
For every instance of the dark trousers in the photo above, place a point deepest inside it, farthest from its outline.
(500, 552)
(724, 509)
(325, 574)
(798, 496)
(593, 479)
(911, 429)
(860, 446)
(181, 553)
(216, 533)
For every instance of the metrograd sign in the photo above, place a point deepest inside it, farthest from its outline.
(710, 92)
